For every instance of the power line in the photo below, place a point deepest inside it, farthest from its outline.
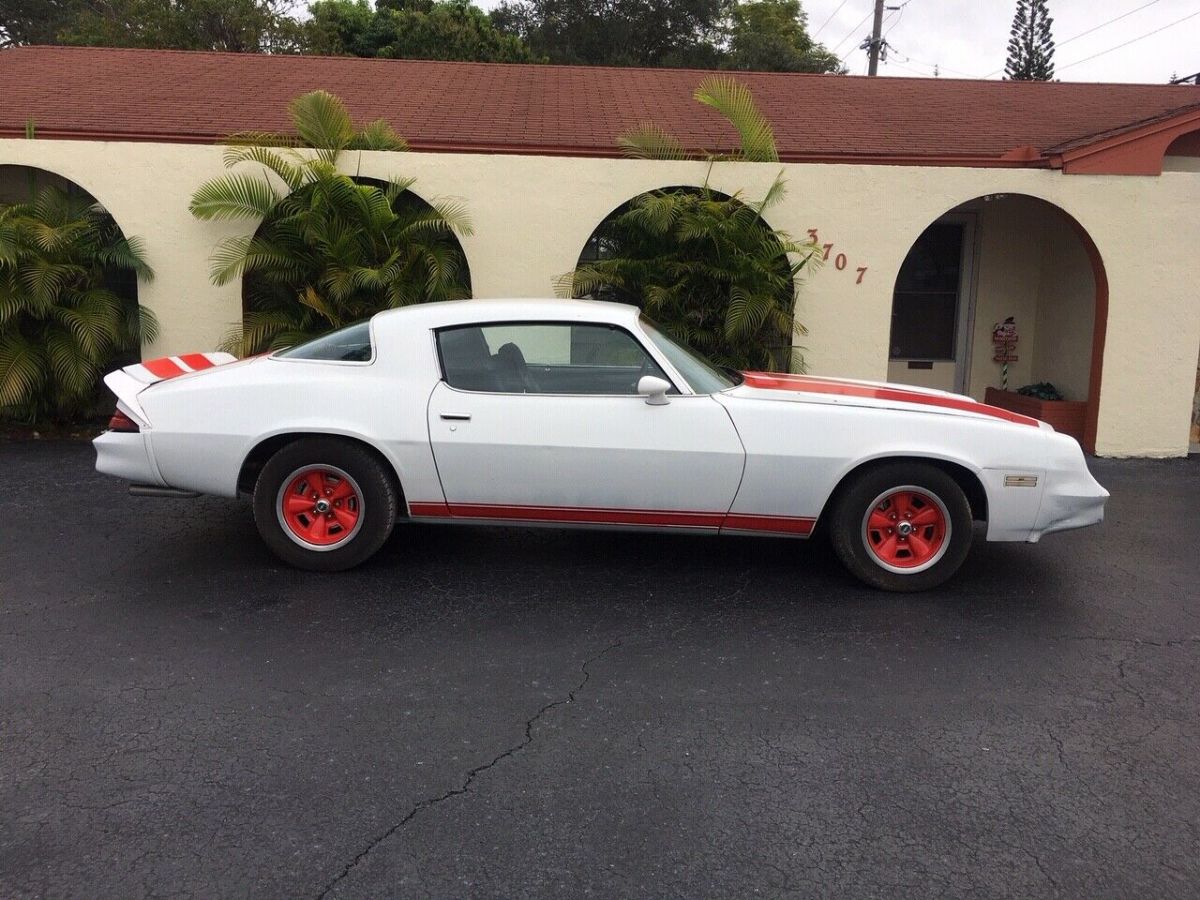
(1132, 40)
(851, 34)
(830, 19)
(1089, 31)
(1109, 22)
(920, 62)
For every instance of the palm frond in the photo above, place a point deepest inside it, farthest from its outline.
(22, 371)
(322, 122)
(234, 196)
(378, 135)
(262, 139)
(126, 253)
(289, 172)
(733, 100)
(650, 141)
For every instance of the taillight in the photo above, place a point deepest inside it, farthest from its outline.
(122, 422)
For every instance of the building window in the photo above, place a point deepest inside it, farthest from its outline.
(925, 304)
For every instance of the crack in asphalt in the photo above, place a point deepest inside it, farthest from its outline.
(465, 787)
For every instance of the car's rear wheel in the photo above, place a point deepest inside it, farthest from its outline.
(324, 504)
(902, 526)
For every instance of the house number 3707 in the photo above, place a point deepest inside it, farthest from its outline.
(840, 262)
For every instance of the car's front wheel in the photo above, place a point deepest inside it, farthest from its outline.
(902, 526)
(324, 504)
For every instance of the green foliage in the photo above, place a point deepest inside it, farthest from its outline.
(36, 21)
(244, 26)
(1043, 390)
(772, 36)
(327, 251)
(708, 269)
(766, 35)
(619, 32)
(63, 319)
(1031, 45)
(706, 266)
(453, 29)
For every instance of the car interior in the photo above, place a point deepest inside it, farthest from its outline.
(469, 364)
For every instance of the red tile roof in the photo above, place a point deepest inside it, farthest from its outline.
(202, 97)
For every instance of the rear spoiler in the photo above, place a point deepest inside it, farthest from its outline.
(130, 381)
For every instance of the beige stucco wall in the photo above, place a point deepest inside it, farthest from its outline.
(1066, 306)
(533, 214)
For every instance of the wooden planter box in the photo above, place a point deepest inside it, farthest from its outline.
(1066, 416)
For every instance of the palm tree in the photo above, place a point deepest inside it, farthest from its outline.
(704, 264)
(327, 250)
(63, 320)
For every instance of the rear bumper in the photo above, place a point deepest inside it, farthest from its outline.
(126, 455)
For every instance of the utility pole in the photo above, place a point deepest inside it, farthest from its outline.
(876, 44)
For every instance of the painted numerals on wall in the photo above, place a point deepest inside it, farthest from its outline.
(841, 262)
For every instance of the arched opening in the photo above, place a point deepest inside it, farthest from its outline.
(1183, 153)
(72, 280)
(321, 270)
(995, 258)
(672, 272)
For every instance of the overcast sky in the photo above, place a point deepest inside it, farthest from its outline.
(969, 38)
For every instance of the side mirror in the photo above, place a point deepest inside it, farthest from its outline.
(654, 389)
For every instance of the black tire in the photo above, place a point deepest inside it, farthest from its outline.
(852, 538)
(375, 502)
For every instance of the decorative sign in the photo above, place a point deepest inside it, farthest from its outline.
(1005, 337)
(840, 260)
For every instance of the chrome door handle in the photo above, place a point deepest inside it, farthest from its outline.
(456, 417)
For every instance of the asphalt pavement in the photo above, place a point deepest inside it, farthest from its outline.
(542, 713)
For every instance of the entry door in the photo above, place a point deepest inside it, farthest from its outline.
(931, 308)
(550, 428)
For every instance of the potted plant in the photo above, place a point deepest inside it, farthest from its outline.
(1042, 401)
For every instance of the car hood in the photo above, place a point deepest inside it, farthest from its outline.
(874, 394)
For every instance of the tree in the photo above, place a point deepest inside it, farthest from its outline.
(36, 21)
(1031, 46)
(618, 32)
(63, 320)
(417, 29)
(705, 265)
(772, 36)
(245, 26)
(327, 250)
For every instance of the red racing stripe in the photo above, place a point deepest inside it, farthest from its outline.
(597, 516)
(162, 368)
(774, 524)
(435, 509)
(808, 385)
(587, 516)
(196, 361)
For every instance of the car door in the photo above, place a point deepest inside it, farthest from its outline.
(542, 422)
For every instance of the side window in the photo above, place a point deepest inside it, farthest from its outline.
(349, 344)
(544, 358)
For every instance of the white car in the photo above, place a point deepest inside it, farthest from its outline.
(583, 414)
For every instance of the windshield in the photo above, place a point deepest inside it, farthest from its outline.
(349, 344)
(701, 375)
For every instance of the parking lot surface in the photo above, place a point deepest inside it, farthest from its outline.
(520, 712)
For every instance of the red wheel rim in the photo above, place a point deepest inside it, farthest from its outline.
(907, 529)
(320, 507)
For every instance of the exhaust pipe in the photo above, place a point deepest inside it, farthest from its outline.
(153, 490)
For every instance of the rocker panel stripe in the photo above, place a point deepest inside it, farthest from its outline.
(600, 516)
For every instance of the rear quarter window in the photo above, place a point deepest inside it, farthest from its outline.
(349, 344)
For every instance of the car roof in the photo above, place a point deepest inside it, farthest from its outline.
(465, 312)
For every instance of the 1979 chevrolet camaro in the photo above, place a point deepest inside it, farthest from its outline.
(583, 414)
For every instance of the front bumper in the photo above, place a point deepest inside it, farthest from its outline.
(126, 455)
(1070, 500)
